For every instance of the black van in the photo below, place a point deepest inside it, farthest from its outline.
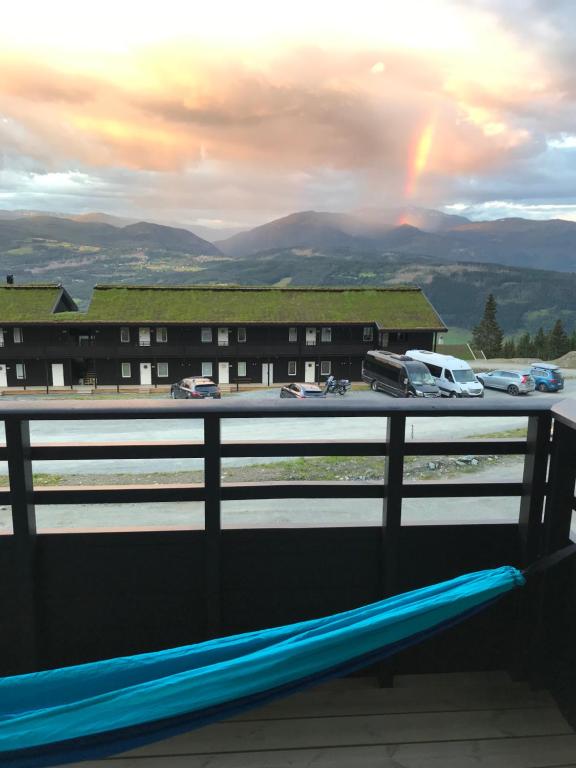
(398, 375)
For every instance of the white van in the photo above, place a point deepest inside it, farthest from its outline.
(454, 377)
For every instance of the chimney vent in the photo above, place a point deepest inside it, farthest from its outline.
(10, 279)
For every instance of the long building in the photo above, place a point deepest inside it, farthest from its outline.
(146, 336)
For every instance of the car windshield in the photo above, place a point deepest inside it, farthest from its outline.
(464, 376)
(420, 375)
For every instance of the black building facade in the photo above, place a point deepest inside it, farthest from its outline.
(143, 336)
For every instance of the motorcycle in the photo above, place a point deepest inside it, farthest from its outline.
(339, 386)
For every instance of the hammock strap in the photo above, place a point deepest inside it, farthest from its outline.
(549, 561)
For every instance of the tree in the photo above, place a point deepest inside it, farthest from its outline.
(558, 342)
(524, 347)
(509, 348)
(573, 341)
(487, 336)
(540, 344)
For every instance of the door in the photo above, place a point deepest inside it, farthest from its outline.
(3, 378)
(310, 372)
(310, 337)
(144, 337)
(223, 373)
(57, 374)
(267, 373)
(222, 337)
(145, 374)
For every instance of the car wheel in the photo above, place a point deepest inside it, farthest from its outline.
(173, 394)
(513, 390)
(452, 394)
(374, 386)
(542, 388)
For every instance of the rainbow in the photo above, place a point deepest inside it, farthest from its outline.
(419, 156)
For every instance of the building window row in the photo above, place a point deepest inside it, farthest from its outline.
(161, 370)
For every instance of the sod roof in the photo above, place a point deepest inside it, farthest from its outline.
(393, 308)
(29, 303)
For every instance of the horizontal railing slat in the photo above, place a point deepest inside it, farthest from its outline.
(195, 449)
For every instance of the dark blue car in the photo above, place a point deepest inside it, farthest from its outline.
(547, 377)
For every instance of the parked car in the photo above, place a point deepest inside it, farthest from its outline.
(513, 382)
(547, 377)
(195, 389)
(301, 391)
(454, 377)
(398, 375)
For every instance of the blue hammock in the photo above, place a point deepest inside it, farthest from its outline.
(99, 709)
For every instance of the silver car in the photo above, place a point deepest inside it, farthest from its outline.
(513, 382)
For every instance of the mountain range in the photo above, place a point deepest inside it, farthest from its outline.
(517, 242)
(530, 266)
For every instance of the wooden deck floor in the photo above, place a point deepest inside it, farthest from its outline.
(425, 721)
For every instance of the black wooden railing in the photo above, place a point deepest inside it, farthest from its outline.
(546, 493)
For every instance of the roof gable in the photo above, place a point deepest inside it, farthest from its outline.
(33, 303)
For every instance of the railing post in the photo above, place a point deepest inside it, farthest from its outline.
(24, 526)
(557, 521)
(213, 522)
(391, 520)
(534, 486)
(392, 503)
(560, 498)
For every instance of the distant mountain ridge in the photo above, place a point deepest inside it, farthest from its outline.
(549, 244)
(15, 233)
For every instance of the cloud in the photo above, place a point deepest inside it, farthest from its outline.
(328, 125)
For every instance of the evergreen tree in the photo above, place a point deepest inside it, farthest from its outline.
(540, 344)
(573, 341)
(558, 342)
(524, 347)
(509, 348)
(487, 336)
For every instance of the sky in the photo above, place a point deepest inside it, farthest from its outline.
(234, 113)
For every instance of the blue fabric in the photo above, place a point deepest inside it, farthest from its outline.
(197, 682)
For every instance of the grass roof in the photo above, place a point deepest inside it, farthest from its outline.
(28, 303)
(393, 308)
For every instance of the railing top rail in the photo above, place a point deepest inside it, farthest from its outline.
(565, 411)
(266, 408)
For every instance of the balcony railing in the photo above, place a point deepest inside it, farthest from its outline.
(546, 492)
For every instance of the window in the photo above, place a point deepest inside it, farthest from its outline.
(241, 335)
(162, 370)
(161, 336)
(368, 333)
(20, 370)
(325, 368)
(241, 369)
(124, 335)
(206, 336)
(126, 370)
(207, 369)
(326, 334)
(18, 337)
(1, 337)
(292, 368)
(310, 337)
(292, 334)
